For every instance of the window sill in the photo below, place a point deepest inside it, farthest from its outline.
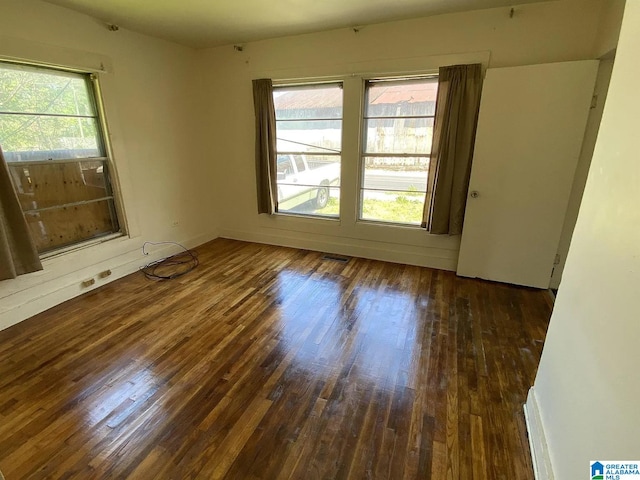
(306, 216)
(79, 246)
(408, 226)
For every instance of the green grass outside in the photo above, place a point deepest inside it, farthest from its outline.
(400, 209)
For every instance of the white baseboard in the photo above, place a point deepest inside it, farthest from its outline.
(542, 467)
(441, 259)
(38, 297)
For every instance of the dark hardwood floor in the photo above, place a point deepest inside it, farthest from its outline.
(269, 363)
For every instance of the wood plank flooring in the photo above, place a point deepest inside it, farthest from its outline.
(272, 363)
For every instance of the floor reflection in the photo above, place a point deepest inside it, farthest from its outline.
(372, 334)
(116, 398)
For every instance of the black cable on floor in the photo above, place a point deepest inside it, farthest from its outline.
(170, 267)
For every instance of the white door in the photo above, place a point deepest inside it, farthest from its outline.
(530, 130)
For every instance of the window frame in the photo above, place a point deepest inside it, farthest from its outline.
(362, 154)
(112, 184)
(310, 83)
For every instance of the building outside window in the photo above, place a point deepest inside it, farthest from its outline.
(396, 125)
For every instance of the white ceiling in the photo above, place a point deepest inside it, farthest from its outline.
(207, 23)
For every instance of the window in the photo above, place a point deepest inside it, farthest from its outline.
(309, 138)
(398, 129)
(53, 143)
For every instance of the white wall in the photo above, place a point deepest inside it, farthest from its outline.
(604, 49)
(538, 33)
(151, 91)
(588, 385)
(582, 169)
(609, 29)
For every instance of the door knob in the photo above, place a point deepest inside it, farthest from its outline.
(474, 194)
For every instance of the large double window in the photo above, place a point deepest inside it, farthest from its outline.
(396, 130)
(52, 138)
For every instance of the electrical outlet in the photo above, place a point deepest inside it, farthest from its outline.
(88, 283)
(104, 274)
